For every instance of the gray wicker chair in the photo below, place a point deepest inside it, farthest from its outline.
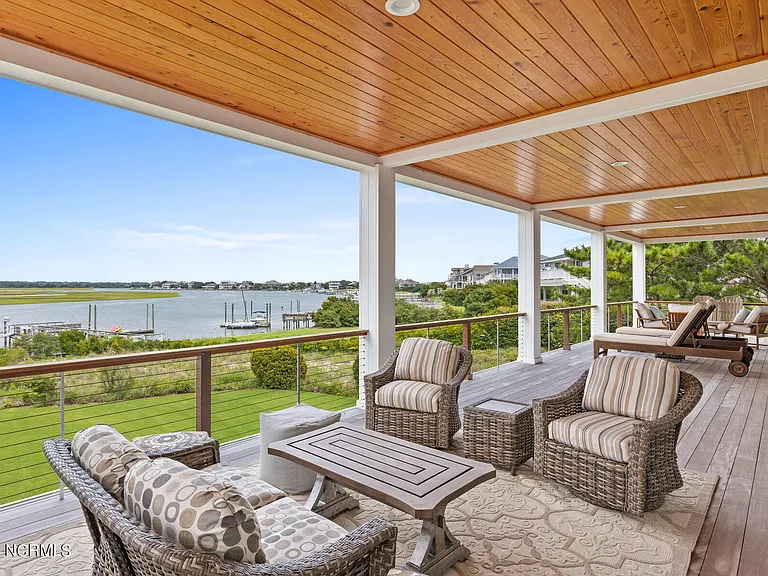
(125, 547)
(434, 430)
(635, 487)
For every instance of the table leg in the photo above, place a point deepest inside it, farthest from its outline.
(329, 499)
(436, 549)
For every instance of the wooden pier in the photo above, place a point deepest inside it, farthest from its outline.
(293, 320)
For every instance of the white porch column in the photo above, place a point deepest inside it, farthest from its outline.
(529, 286)
(598, 282)
(377, 269)
(638, 272)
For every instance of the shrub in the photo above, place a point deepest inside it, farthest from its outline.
(43, 391)
(275, 368)
(116, 383)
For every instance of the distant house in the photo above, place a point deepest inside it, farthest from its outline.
(210, 286)
(227, 285)
(406, 283)
(465, 275)
(246, 285)
(170, 285)
(334, 285)
(272, 285)
(561, 260)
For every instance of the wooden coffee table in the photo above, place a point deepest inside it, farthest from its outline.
(415, 479)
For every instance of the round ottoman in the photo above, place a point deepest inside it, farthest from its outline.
(280, 473)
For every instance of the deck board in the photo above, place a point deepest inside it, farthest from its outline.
(726, 434)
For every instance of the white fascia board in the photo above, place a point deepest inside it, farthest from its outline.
(734, 185)
(458, 189)
(41, 68)
(584, 226)
(694, 88)
(702, 238)
(740, 219)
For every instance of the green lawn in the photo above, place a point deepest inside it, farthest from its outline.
(9, 296)
(24, 471)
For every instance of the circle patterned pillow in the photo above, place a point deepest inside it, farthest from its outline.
(194, 509)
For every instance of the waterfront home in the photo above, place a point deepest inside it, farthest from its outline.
(640, 121)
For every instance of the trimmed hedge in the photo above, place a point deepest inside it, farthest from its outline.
(275, 368)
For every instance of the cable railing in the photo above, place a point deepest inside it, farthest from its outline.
(221, 389)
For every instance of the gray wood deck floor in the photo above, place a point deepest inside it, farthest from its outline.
(727, 434)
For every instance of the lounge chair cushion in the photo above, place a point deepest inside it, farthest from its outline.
(655, 332)
(754, 315)
(606, 435)
(644, 310)
(290, 531)
(678, 338)
(631, 386)
(106, 455)
(658, 324)
(615, 340)
(657, 313)
(409, 395)
(734, 328)
(681, 308)
(256, 491)
(194, 509)
(433, 361)
(741, 315)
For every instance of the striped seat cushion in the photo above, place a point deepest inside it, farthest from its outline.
(409, 395)
(599, 433)
(433, 361)
(644, 388)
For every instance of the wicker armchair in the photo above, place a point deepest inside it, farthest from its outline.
(125, 547)
(636, 486)
(429, 429)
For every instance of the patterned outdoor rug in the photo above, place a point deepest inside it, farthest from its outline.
(512, 525)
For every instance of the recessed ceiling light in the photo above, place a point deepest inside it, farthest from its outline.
(402, 7)
(680, 207)
(619, 163)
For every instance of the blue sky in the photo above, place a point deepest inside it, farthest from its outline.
(91, 192)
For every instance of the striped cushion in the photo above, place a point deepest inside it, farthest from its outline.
(631, 386)
(599, 433)
(409, 395)
(433, 361)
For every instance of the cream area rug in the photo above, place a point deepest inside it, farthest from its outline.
(512, 525)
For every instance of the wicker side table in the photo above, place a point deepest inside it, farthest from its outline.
(499, 432)
(194, 449)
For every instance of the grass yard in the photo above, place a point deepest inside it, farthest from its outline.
(24, 471)
(10, 296)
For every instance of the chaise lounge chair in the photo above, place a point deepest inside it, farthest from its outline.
(647, 317)
(755, 324)
(685, 341)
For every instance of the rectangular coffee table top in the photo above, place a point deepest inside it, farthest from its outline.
(410, 477)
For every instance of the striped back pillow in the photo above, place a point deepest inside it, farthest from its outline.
(644, 388)
(433, 361)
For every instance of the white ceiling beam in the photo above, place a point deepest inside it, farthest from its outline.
(458, 189)
(584, 226)
(637, 101)
(35, 66)
(740, 219)
(734, 185)
(702, 237)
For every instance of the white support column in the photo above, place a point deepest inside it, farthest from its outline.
(377, 269)
(638, 272)
(599, 283)
(529, 286)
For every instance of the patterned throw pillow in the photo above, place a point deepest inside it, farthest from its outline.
(195, 509)
(741, 315)
(657, 313)
(424, 360)
(107, 456)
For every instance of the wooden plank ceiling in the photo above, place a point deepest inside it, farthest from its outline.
(347, 71)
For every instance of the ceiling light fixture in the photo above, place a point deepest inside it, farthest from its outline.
(680, 207)
(402, 7)
(619, 163)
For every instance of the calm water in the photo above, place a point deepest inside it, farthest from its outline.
(194, 314)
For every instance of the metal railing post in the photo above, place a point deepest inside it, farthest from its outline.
(618, 316)
(428, 333)
(581, 324)
(61, 425)
(498, 353)
(203, 392)
(566, 330)
(298, 373)
(549, 332)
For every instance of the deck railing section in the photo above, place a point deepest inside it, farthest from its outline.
(220, 389)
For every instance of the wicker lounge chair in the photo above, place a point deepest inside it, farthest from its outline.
(646, 468)
(691, 338)
(123, 546)
(404, 399)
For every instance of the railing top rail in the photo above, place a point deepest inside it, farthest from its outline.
(691, 302)
(568, 309)
(457, 321)
(159, 355)
(622, 302)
